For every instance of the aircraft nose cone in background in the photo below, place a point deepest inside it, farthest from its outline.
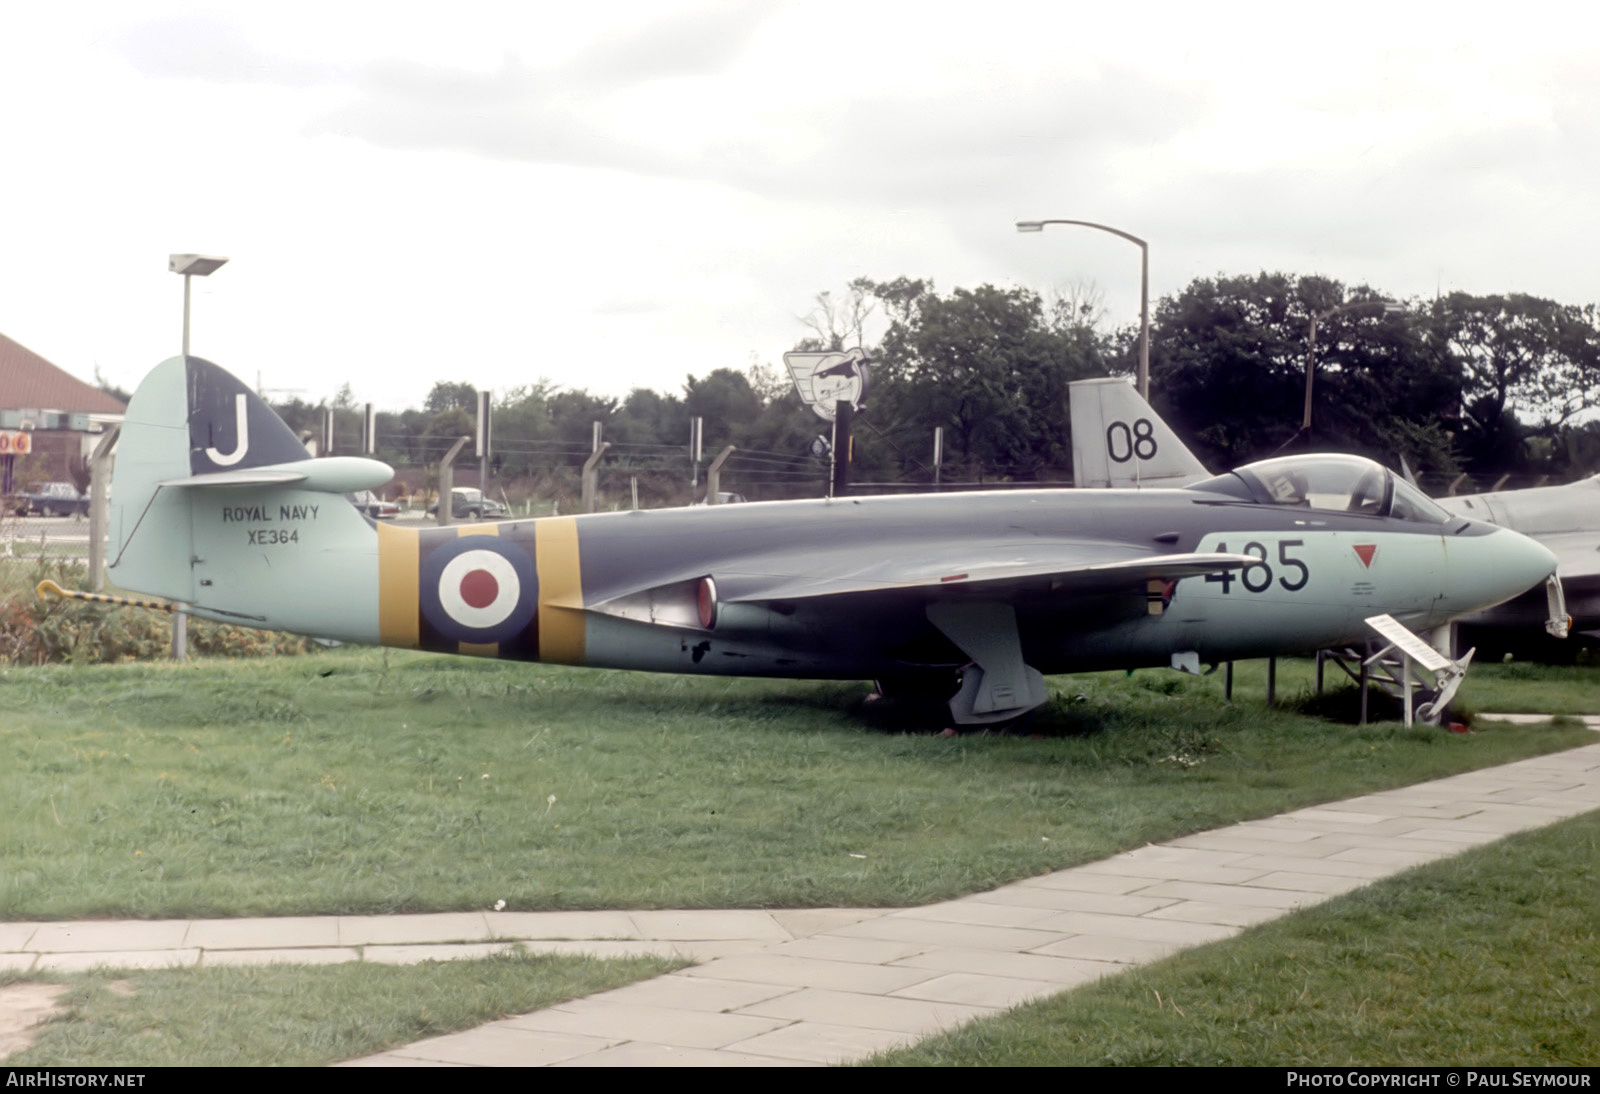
(1502, 564)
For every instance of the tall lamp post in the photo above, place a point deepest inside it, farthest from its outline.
(190, 266)
(1390, 307)
(1144, 287)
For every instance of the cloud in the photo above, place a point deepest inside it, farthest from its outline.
(204, 47)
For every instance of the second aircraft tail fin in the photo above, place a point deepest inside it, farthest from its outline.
(1119, 441)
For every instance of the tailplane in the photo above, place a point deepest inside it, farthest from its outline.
(1119, 441)
(215, 504)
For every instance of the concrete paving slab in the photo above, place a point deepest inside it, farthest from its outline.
(805, 922)
(807, 972)
(865, 951)
(982, 913)
(14, 937)
(1227, 914)
(1228, 839)
(710, 951)
(17, 962)
(1282, 899)
(1395, 858)
(1079, 879)
(118, 935)
(979, 989)
(1139, 926)
(867, 1011)
(254, 934)
(321, 955)
(116, 959)
(694, 993)
(560, 925)
(1175, 871)
(1112, 950)
(1328, 884)
(821, 1043)
(932, 932)
(363, 930)
(652, 1024)
(1061, 971)
(1334, 866)
(699, 926)
(1071, 900)
(640, 1054)
(390, 1059)
(496, 1045)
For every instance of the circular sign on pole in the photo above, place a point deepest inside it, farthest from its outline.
(21, 443)
(823, 380)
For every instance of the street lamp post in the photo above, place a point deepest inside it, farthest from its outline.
(1390, 307)
(189, 266)
(1144, 287)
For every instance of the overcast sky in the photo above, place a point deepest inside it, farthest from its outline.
(619, 195)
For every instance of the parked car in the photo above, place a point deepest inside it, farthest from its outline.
(725, 497)
(468, 503)
(372, 505)
(53, 499)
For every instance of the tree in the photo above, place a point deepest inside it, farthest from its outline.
(450, 394)
(986, 365)
(1228, 365)
(1525, 363)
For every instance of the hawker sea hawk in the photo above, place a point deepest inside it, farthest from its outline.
(217, 506)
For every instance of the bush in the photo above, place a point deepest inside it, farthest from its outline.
(34, 631)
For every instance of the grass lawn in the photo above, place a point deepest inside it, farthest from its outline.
(363, 781)
(1487, 958)
(303, 1016)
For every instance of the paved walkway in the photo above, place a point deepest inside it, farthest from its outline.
(821, 986)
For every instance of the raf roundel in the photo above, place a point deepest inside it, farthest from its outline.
(479, 589)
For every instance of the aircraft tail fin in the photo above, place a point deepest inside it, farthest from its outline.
(216, 504)
(1119, 441)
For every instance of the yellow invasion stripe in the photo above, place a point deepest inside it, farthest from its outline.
(561, 623)
(399, 563)
(479, 649)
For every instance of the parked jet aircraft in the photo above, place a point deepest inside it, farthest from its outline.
(1123, 442)
(217, 505)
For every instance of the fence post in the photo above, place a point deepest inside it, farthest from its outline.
(591, 475)
(447, 480)
(99, 506)
(714, 474)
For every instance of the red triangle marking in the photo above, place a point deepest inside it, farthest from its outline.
(1366, 551)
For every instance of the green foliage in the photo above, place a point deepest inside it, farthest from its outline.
(76, 632)
(300, 1016)
(372, 781)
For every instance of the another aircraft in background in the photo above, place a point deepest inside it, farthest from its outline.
(1125, 443)
(217, 506)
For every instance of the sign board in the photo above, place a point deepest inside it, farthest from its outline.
(15, 443)
(824, 379)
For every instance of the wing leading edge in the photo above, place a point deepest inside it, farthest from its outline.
(1068, 570)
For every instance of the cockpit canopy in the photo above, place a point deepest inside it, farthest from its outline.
(1333, 483)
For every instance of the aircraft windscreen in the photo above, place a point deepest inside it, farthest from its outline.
(1412, 504)
(1341, 484)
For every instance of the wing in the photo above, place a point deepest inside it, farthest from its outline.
(939, 571)
(957, 572)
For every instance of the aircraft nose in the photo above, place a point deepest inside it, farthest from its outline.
(1519, 563)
